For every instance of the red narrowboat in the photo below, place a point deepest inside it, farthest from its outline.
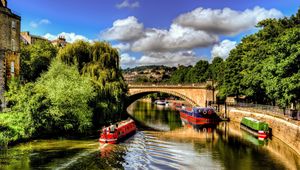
(197, 115)
(116, 132)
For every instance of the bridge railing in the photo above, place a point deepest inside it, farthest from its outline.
(167, 84)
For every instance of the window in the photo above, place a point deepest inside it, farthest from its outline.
(13, 45)
(13, 24)
(12, 68)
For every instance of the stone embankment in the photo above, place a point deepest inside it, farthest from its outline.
(285, 130)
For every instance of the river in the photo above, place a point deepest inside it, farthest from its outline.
(168, 143)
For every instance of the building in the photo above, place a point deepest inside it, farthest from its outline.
(27, 38)
(60, 42)
(9, 45)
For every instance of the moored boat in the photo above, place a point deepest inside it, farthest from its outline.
(200, 127)
(256, 127)
(178, 106)
(116, 132)
(161, 102)
(198, 115)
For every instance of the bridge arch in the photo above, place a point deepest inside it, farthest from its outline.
(196, 95)
(139, 94)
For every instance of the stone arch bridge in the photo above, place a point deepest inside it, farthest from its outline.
(194, 94)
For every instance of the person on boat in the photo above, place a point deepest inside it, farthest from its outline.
(104, 130)
(183, 107)
(112, 128)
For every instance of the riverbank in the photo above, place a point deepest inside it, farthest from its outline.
(286, 131)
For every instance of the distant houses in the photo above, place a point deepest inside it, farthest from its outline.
(60, 42)
(28, 39)
(151, 74)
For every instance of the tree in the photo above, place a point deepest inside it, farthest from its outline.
(35, 59)
(180, 75)
(265, 66)
(216, 69)
(58, 103)
(100, 62)
(231, 83)
(199, 73)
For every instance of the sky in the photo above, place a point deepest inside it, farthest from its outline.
(152, 32)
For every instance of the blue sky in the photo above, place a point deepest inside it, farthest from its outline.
(169, 32)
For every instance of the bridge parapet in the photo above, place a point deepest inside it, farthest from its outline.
(163, 85)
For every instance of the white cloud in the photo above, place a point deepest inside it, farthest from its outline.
(127, 60)
(199, 28)
(225, 21)
(222, 49)
(169, 58)
(157, 40)
(176, 39)
(50, 36)
(164, 58)
(122, 47)
(35, 24)
(127, 4)
(128, 29)
(70, 37)
(44, 21)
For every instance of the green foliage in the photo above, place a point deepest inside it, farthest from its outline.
(58, 103)
(83, 85)
(200, 73)
(265, 66)
(180, 75)
(100, 62)
(216, 69)
(35, 59)
(64, 96)
(15, 126)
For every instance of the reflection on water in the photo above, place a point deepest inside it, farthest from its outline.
(222, 146)
(155, 116)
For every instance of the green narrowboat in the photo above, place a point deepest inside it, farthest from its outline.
(261, 129)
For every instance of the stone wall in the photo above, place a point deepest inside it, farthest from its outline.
(9, 30)
(2, 73)
(286, 131)
(12, 62)
(9, 46)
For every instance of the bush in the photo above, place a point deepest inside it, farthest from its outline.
(58, 103)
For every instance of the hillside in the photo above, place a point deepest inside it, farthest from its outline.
(152, 73)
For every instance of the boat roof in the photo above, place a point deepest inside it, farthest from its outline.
(124, 122)
(204, 108)
(252, 119)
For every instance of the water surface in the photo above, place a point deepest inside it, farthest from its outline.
(177, 145)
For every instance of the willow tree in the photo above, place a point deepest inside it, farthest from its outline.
(101, 63)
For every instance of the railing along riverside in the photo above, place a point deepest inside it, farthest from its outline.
(264, 109)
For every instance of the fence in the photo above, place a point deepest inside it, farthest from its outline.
(259, 108)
